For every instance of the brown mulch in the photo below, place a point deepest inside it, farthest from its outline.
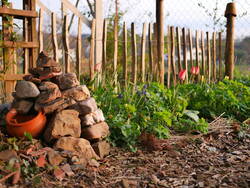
(220, 158)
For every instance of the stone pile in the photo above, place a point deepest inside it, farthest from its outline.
(75, 124)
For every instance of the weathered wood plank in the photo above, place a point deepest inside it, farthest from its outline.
(16, 13)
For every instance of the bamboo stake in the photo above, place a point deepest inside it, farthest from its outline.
(54, 37)
(214, 56)
(79, 49)
(134, 54)
(190, 36)
(92, 52)
(208, 58)
(172, 35)
(40, 30)
(66, 43)
(220, 55)
(125, 54)
(203, 53)
(143, 51)
(185, 52)
(179, 48)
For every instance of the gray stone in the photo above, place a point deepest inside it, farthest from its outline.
(92, 118)
(88, 106)
(26, 89)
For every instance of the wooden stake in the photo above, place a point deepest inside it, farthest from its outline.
(169, 57)
(92, 52)
(155, 49)
(208, 58)
(66, 43)
(40, 30)
(54, 37)
(197, 49)
(230, 14)
(214, 56)
(203, 54)
(150, 49)
(185, 52)
(79, 49)
(172, 35)
(125, 54)
(104, 50)
(115, 51)
(179, 48)
(220, 55)
(26, 50)
(134, 54)
(190, 36)
(143, 51)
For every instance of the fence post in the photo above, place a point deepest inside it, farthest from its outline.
(214, 56)
(203, 54)
(151, 54)
(115, 51)
(54, 37)
(143, 54)
(190, 36)
(160, 24)
(104, 51)
(230, 14)
(66, 43)
(40, 30)
(172, 36)
(134, 54)
(179, 48)
(92, 52)
(125, 54)
(208, 58)
(79, 49)
(220, 55)
(185, 53)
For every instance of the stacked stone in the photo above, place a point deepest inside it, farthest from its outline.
(75, 121)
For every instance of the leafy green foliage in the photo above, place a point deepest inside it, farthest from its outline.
(151, 108)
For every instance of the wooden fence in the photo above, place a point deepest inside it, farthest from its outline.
(183, 49)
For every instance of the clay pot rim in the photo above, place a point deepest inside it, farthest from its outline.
(13, 124)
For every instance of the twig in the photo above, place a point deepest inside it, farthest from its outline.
(7, 176)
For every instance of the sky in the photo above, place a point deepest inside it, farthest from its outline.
(181, 13)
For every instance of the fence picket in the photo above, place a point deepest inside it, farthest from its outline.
(190, 37)
(143, 52)
(185, 52)
(40, 30)
(54, 37)
(172, 35)
(151, 54)
(92, 52)
(134, 54)
(178, 36)
(66, 43)
(203, 54)
(214, 56)
(220, 55)
(79, 49)
(208, 58)
(125, 54)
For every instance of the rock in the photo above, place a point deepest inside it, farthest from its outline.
(49, 92)
(101, 148)
(78, 93)
(92, 118)
(67, 81)
(22, 106)
(56, 105)
(64, 123)
(79, 146)
(67, 169)
(88, 106)
(96, 132)
(93, 163)
(26, 89)
(32, 79)
(49, 75)
(55, 158)
(44, 60)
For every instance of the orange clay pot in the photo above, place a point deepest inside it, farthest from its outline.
(18, 124)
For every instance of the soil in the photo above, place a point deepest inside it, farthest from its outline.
(220, 158)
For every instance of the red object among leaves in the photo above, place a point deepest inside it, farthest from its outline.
(195, 70)
(182, 74)
(59, 174)
(41, 161)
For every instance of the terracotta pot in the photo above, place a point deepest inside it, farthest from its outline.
(18, 124)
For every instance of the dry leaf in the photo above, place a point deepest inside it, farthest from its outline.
(59, 174)
(41, 161)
